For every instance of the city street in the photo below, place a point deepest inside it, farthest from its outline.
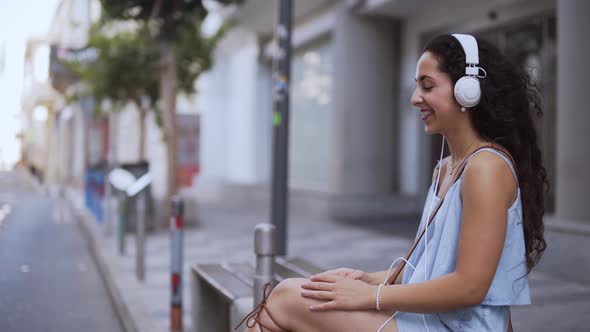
(48, 280)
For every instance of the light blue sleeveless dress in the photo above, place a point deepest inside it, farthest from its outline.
(510, 285)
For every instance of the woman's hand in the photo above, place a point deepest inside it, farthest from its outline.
(340, 293)
(343, 272)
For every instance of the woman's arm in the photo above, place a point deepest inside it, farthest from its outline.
(487, 191)
(377, 278)
(374, 278)
(448, 292)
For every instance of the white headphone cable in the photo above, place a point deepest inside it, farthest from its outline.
(426, 242)
(434, 195)
(384, 281)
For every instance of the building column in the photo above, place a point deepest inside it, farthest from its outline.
(365, 99)
(572, 181)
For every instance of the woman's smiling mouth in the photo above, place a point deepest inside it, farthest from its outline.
(425, 113)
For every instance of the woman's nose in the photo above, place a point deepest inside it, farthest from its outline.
(416, 98)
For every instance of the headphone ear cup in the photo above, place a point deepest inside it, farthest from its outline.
(467, 91)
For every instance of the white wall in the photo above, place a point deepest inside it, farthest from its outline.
(241, 117)
(72, 20)
(235, 100)
(38, 137)
(127, 135)
(79, 146)
(64, 146)
(235, 108)
(232, 105)
(365, 74)
(264, 120)
(572, 117)
(213, 148)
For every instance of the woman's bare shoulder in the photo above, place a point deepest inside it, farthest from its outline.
(488, 172)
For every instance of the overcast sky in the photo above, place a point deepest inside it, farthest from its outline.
(19, 20)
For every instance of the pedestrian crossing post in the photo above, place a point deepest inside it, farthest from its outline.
(176, 228)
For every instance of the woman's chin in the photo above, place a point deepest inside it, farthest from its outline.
(429, 130)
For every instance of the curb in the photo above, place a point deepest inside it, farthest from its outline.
(570, 227)
(86, 225)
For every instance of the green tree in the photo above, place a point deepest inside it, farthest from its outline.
(161, 57)
(184, 53)
(124, 71)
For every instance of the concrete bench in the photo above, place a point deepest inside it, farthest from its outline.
(222, 294)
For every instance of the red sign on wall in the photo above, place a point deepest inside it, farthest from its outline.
(187, 147)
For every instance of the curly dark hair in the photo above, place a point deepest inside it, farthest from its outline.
(504, 115)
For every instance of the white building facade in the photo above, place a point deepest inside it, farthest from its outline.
(84, 143)
(54, 140)
(357, 146)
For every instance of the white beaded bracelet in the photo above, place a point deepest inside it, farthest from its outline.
(377, 305)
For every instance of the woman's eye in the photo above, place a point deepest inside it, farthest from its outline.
(426, 88)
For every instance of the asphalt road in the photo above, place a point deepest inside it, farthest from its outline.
(48, 279)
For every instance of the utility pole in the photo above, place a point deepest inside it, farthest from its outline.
(110, 207)
(280, 120)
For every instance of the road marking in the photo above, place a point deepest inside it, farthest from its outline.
(56, 215)
(66, 215)
(7, 197)
(25, 269)
(4, 212)
(61, 214)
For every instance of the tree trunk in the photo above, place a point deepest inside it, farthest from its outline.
(168, 100)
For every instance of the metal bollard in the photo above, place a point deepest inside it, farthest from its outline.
(265, 253)
(108, 207)
(122, 225)
(176, 239)
(140, 236)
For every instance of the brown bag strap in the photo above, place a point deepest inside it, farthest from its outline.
(460, 169)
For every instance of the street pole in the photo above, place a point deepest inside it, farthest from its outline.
(176, 263)
(108, 202)
(109, 199)
(280, 174)
(122, 224)
(140, 237)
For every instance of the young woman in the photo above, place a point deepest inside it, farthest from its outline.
(474, 259)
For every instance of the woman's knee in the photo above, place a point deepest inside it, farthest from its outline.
(285, 296)
(289, 287)
(284, 303)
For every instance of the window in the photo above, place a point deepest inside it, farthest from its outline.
(311, 130)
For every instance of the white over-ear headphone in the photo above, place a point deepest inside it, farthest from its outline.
(467, 89)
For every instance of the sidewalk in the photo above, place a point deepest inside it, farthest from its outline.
(227, 235)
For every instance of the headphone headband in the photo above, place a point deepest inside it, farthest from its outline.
(467, 89)
(469, 45)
